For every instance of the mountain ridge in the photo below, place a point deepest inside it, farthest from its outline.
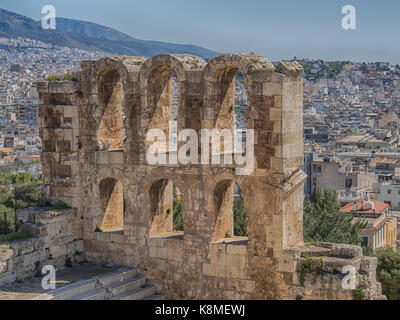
(91, 36)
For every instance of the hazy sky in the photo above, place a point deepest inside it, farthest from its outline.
(277, 29)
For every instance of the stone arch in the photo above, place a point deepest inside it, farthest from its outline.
(109, 79)
(219, 75)
(110, 99)
(223, 219)
(219, 103)
(224, 204)
(112, 205)
(155, 78)
(162, 193)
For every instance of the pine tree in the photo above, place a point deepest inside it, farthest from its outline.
(323, 222)
(239, 216)
(388, 272)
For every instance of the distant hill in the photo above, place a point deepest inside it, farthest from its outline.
(90, 36)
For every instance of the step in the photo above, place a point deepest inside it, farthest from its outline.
(73, 289)
(96, 294)
(123, 273)
(126, 285)
(381, 297)
(155, 297)
(137, 294)
(7, 278)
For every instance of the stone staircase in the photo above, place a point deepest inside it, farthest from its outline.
(123, 284)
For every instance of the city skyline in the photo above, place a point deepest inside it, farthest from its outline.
(309, 29)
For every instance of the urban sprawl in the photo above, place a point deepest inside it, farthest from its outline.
(351, 126)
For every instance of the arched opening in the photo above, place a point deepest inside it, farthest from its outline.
(166, 209)
(240, 114)
(110, 131)
(230, 100)
(164, 100)
(230, 218)
(112, 205)
(239, 213)
(177, 209)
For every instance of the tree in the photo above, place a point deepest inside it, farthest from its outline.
(323, 222)
(177, 212)
(388, 272)
(239, 216)
(19, 190)
(27, 196)
(7, 218)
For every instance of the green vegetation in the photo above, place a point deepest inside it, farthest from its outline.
(312, 266)
(16, 198)
(388, 272)
(19, 178)
(239, 216)
(69, 77)
(66, 77)
(359, 294)
(17, 191)
(323, 222)
(177, 209)
(327, 69)
(52, 78)
(14, 236)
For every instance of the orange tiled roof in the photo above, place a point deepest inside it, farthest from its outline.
(379, 207)
(7, 150)
(386, 160)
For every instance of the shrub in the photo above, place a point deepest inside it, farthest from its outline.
(52, 78)
(14, 236)
(66, 77)
(359, 294)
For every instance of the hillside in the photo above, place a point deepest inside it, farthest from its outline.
(90, 36)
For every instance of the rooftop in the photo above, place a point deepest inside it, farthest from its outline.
(379, 207)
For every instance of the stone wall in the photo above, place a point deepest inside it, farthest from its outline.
(56, 236)
(81, 155)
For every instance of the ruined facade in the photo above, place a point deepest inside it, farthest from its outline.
(93, 132)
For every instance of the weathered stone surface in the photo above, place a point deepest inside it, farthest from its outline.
(110, 186)
(57, 240)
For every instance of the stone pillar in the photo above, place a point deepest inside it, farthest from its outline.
(59, 131)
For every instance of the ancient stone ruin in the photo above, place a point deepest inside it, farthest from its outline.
(93, 131)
